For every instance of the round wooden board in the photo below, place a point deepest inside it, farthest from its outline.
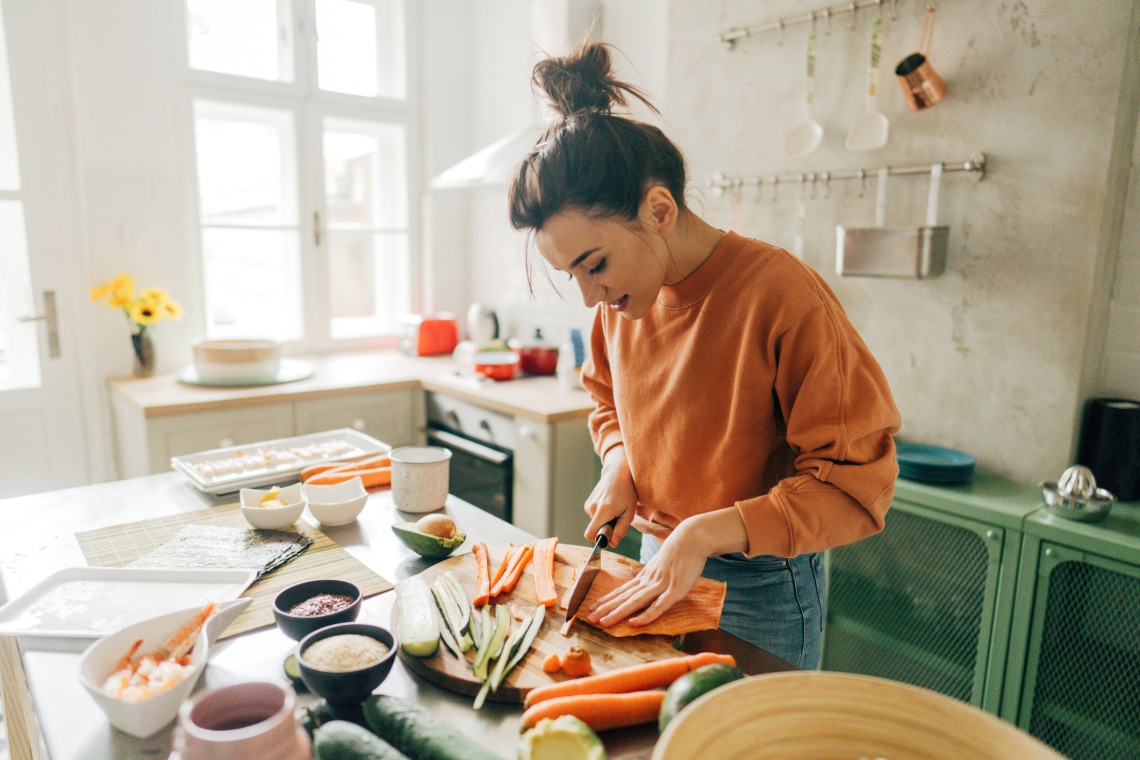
(607, 652)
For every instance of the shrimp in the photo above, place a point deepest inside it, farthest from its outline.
(134, 680)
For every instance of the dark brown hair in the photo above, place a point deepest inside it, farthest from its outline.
(589, 158)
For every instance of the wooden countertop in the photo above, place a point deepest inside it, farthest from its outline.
(537, 398)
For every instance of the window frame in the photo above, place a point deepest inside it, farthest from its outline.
(310, 106)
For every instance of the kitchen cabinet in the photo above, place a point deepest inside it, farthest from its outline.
(928, 600)
(1073, 674)
(555, 471)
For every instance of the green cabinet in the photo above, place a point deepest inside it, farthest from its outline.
(928, 600)
(1073, 674)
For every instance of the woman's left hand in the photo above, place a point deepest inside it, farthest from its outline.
(664, 580)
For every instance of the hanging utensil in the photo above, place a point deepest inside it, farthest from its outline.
(921, 84)
(870, 128)
(805, 136)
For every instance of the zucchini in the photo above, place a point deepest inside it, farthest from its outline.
(459, 594)
(523, 647)
(451, 615)
(418, 625)
(341, 740)
(494, 641)
(417, 733)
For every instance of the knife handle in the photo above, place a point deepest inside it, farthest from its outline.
(605, 533)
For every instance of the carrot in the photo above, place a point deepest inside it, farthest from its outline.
(511, 579)
(374, 478)
(644, 675)
(600, 711)
(516, 611)
(379, 460)
(502, 567)
(316, 469)
(576, 662)
(544, 590)
(483, 584)
(552, 664)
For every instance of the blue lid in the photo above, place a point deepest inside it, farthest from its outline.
(933, 464)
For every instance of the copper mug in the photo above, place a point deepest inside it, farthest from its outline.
(921, 84)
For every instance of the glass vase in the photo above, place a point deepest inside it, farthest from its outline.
(144, 354)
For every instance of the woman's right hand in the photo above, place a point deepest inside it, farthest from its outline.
(614, 496)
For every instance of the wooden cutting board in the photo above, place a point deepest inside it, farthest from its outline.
(607, 653)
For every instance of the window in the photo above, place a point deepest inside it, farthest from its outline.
(19, 353)
(302, 174)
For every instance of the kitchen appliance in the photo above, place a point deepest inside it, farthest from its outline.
(482, 324)
(1110, 445)
(536, 355)
(1075, 496)
(482, 444)
(590, 571)
(428, 336)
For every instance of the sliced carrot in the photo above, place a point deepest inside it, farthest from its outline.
(511, 579)
(644, 675)
(544, 590)
(499, 585)
(368, 463)
(565, 629)
(576, 662)
(502, 566)
(516, 612)
(316, 469)
(374, 478)
(600, 712)
(483, 583)
(552, 664)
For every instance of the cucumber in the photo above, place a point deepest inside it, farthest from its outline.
(451, 616)
(341, 740)
(418, 625)
(521, 648)
(293, 671)
(417, 733)
(694, 684)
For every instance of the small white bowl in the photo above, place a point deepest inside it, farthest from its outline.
(237, 360)
(144, 718)
(336, 504)
(272, 518)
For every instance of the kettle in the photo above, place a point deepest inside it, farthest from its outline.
(482, 324)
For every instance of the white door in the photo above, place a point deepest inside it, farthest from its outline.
(42, 430)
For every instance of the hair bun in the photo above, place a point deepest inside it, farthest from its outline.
(583, 81)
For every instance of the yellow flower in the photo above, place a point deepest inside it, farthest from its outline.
(172, 309)
(143, 312)
(152, 304)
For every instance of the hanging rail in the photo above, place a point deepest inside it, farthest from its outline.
(732, 36)
(976, 166)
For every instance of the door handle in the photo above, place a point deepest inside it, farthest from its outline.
(51, 318)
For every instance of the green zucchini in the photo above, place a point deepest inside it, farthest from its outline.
(418, 625)
(417, 733)
(341, 740)
(451, 615)
(522, 647)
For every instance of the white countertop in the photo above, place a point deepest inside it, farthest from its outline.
(541, 399)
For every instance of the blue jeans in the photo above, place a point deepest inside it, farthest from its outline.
(775, 603)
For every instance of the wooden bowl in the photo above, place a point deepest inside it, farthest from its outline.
(839, 716)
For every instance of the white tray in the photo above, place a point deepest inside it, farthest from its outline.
(89, 602)
(276, 468)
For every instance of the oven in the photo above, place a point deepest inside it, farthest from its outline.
(482, 446)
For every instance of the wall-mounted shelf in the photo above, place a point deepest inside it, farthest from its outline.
(975, 166)
(732, 36)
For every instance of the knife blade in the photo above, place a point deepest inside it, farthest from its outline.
(590, 571)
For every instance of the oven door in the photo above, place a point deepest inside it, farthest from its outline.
(481, 474)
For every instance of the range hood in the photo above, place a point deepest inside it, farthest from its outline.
(491, 165)
(555, 24)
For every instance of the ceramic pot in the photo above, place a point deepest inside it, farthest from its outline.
(241, 721)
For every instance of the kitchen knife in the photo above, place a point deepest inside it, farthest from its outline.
(590, 571)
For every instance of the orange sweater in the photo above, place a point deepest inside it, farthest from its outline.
(746, 385)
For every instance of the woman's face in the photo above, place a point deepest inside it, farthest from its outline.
(612, 262)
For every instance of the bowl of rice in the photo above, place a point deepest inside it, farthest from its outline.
(343, 663)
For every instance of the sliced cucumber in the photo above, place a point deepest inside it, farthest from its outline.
(521, 648)
(293, 671)
(451, 615)
(418, 629)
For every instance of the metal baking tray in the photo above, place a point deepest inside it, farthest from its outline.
(253, 465)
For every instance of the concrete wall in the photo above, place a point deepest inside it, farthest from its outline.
(987, 358)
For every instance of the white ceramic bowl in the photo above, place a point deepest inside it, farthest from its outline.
(272, 518)
(148, 716)
(337, 504)
(237, 360)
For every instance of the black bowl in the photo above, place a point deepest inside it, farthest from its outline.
(298, 627)
(345, 687)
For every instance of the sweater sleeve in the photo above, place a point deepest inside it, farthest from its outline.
(597, 379)
(839, 418)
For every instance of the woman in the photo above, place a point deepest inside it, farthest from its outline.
(742, 423)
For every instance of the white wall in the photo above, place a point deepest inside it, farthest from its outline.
(989, 357)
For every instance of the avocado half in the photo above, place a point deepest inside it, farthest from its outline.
(425, 545)
(563, 738)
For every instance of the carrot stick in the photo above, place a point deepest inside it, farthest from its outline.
(500, 586)
(644, 675)
(511, 579)
(379, 460)
(374, 478)
(544, 590)
(316, 469)
(600, 711)
(502, 568)
(483, 584)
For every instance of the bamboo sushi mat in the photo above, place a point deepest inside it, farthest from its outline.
(119, 544)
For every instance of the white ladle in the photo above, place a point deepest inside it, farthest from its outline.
(869, 130)
(805, 136)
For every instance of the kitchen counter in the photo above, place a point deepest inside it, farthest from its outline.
(39, 539)
(540, 399)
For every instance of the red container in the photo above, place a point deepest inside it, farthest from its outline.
(536, 356)
(497, 365)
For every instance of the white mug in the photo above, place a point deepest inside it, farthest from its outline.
(420, 477)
